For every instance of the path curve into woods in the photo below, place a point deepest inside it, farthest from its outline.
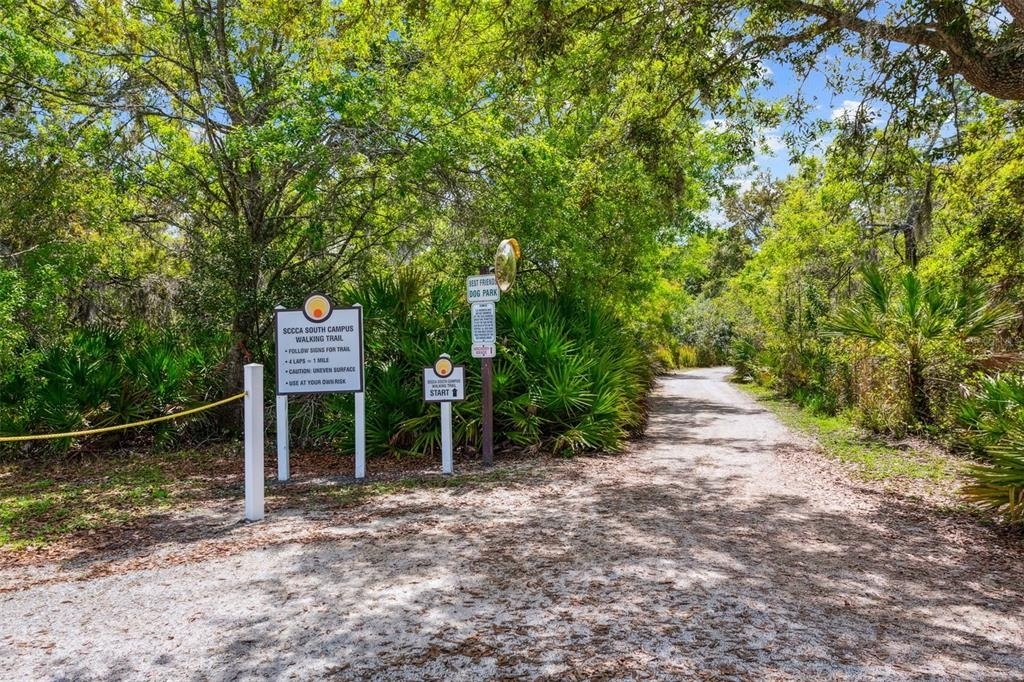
(717, 549)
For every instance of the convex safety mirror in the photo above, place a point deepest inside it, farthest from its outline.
(505, 260)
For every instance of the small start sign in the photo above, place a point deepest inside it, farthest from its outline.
(444, 382)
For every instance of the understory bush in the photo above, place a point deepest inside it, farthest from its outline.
(998, 486)
(102, 376)
(567, 374)
(706, 334)
(811, 373)
(992, 417)
(991, 410)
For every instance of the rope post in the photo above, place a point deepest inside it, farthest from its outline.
(254, 434)
(360, 418)
(284, 469)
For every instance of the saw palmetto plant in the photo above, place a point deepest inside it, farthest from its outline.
(910, 320)
(999, 485)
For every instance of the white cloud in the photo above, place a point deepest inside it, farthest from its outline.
(773, 141)
(717, 125)
(743, 184)
(848, 112)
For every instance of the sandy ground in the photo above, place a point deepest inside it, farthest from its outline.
(719, 548)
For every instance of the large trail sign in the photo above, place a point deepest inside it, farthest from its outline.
(319, 348)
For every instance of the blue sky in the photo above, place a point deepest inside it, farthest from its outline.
(826, 105)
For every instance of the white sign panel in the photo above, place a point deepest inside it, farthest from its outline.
(484, 350)
(438, 389)
(323, 356)
(483, 323)
(482, 289)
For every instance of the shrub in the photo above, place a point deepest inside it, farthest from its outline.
(743, 357)
(665, 359)
(687, 356)
(993, 408)
(999, 486)
(570, 374)
(917, 325)
(993, 418)
(102, 376)
(567, 375)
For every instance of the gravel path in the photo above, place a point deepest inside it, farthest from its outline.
(720, 548)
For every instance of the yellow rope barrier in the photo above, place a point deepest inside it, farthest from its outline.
(121, 427)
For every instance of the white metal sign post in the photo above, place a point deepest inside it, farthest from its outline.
(284, 468)
(445, 383)
(254, 474)
(320, 350)
(360, 408)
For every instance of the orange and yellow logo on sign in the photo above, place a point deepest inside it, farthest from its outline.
(317, 308)
(443, 367)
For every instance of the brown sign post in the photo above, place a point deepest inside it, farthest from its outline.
(487, 401)
(483, 292)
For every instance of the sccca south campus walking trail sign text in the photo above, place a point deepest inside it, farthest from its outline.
(319, 350)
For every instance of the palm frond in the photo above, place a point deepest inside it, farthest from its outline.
(999, 486)
(977, 315)
(877, 288)
(860, 319)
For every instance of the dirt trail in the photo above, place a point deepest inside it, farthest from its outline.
(715, 550)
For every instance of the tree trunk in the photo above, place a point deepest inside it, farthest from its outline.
(919, 405)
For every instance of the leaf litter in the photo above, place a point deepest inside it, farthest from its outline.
(720, 547)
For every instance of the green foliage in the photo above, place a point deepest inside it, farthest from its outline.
(916, 325)
(870, 456)
(993, 408)
(568, 375)
(686, 356)
(979, 226)
(102, 376)
(705, 329)
(193, 167)
(938, 221)
(999, 486)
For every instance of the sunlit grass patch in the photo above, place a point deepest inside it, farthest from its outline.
(353, 494)
(40, 505)
(871, 457)
(44, 503)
